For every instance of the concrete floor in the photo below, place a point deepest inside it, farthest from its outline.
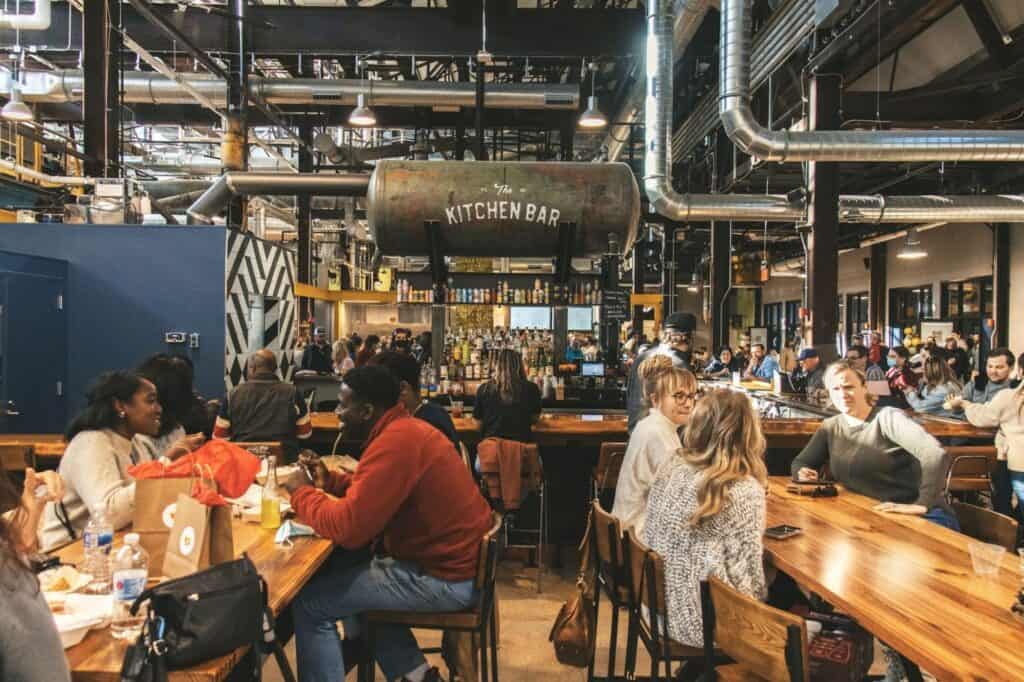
(524, 654)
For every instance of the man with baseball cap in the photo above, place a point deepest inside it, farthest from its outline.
(810, 375)
(674, 341)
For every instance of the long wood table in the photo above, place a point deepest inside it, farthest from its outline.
(908, 581)
(44, 444)
(286, 569)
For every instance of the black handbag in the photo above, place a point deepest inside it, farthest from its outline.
(200, 617)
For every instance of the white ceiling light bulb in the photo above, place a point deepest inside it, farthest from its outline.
(592, 118)
(362, 116)
(911, 249)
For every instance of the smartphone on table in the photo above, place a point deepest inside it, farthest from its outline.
(782, 532)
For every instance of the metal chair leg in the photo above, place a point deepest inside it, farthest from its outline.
(483, 654)
(613, 643)
(542, 534)
(597, 618)
(494, 645)
(631, 646)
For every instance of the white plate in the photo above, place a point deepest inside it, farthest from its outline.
(58, 598)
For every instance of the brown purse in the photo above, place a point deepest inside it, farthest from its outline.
(574, 631)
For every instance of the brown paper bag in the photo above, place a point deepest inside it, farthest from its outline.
(201, 537)
(155, 503)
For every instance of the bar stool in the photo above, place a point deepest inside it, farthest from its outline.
(480, 620)
(606, 474)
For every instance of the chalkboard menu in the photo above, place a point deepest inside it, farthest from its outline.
(615, 305)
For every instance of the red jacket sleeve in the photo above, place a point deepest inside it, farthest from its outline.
(387, 474)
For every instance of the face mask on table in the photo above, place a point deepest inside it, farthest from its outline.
(291, 529)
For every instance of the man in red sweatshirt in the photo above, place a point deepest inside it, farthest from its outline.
(413, 492)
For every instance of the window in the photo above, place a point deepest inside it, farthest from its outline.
(967, 303)
(792, 319)
(774, 323)
(856, 314)
(907, 307)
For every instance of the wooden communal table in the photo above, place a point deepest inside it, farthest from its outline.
(286, 569)
(906, 580)
(43, 444)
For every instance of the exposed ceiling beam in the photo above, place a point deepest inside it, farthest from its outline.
(425, 32)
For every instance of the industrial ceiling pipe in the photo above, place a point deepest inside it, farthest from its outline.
(32, 174)
(153, 88)
(38, 20)
(776, 208)
(848, 145)
(232, 184)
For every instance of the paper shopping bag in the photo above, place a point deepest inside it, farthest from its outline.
(155, 505)
(201, 537)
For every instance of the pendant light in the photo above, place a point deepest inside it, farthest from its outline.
(911, 249)
(16, 109)
(694, 285)
(362, 116)
(592, 118)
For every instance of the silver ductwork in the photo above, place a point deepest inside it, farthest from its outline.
(232, 184)
(856, 145)
(775, 208)
(32, 174)
(152, 88)
(691, 14)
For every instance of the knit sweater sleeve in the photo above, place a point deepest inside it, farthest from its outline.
(911, 436)
(90, 467)
(993, 413)
(745, 516)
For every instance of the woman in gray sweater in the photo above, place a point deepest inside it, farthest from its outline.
(100, 451)
(878, 452)
(706, 510)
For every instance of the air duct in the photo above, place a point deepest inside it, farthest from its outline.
(31, 173)
(152, 88)
(857, 145)
(232, 184)
(691, 14)
(776, 208)
(37, 21)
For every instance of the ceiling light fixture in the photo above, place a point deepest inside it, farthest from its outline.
(694, 285)
(362, 116)
(911, 249)
(592, 118)
(16, 109)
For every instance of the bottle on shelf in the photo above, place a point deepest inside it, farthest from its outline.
(129, 568)
(98, 539)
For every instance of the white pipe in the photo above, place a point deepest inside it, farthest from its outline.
(37, 21)
(67, 180)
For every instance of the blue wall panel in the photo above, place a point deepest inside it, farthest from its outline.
(127, 285)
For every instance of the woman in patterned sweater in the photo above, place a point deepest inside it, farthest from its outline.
(706, 512)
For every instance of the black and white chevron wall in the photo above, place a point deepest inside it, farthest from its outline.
(258, 268)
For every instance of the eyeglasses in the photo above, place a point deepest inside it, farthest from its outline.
(684, 397)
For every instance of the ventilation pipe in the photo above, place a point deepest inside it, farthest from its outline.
(32, 174)
(857, 145)
(37, 21)
(231, 184)
(691, 14)
(64, 86)
(776, 208)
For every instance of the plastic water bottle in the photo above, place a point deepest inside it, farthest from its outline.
(129, 567)
(98, 540)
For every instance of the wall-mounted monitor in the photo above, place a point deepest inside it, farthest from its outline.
(530, 317)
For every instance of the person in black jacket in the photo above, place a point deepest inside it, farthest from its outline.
(317, 355)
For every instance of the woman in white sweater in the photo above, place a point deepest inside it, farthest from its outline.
(669, 393)
(706, 514)
(1006, 412)
(95, 464)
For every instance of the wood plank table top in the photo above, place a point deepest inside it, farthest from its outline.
(286, 569)
(908, 581)
(43, 444)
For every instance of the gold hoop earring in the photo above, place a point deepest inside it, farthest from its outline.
(121, 414)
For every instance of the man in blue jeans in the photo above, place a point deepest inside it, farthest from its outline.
(413, 492)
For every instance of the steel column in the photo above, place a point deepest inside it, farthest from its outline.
(101, 108)
(236, 139)
(823, 214)
(1001, 282)
(303, 203)
(481, 147)
(721, 282)
(877, 288)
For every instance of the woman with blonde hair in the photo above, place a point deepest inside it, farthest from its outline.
(936, 387)
(706, 514)
(669, 395)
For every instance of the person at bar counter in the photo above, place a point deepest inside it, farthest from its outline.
(707, 511)
(936, 386)
(724, 365)
(574, 353)
(670, 394)
(405, 368)
(121, 405)
(809, 377)
(857, 356)
(265, 408)
(30, 647)
(368, 350)
(762, 366)
(878, 452)
(412, 491)
(508, 405)
(674, 342)
(317, 356)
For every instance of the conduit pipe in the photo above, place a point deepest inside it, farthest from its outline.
(776, 208)
(231, 184)
(151, 88)
(31, 173)
(37, 21)
(853, 145)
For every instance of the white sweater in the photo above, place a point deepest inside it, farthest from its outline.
(95, 472)
(654, 440)
(727, 546)
(1002, 412)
